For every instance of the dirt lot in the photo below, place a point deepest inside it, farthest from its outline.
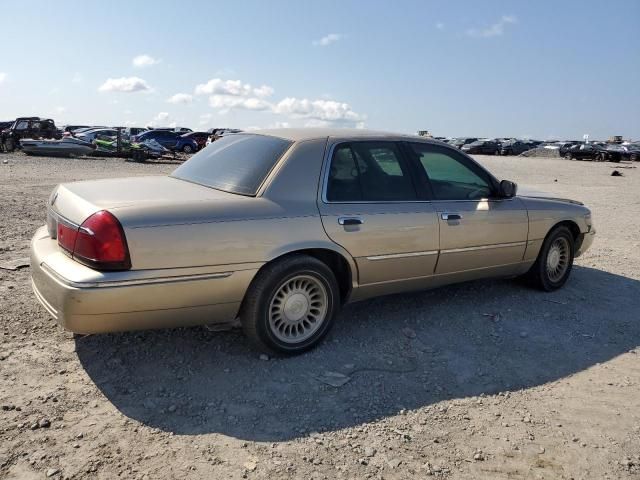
(484, 380)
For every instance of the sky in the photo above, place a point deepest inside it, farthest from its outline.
(543, 69)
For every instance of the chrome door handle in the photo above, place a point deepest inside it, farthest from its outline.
(349, 221)
(451, 216)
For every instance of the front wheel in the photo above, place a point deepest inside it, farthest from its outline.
(9, 145)
(187, 149)
(568, 156)
(291, 305)
(555, 260)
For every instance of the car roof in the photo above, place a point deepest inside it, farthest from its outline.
(300, 134)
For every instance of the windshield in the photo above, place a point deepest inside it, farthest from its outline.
(236, 163)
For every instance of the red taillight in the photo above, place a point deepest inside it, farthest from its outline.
(67, 236)
(98, 243)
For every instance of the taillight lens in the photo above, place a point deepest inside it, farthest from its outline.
(98, 243)
(67, 236)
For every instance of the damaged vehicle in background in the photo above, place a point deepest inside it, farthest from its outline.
(280, 228)
(27, 127)
(172, 140)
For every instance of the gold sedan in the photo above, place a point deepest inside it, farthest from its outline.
(279, 228)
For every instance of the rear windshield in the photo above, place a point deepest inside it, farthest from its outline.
(236, 163)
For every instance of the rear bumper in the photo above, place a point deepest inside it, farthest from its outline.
(85, 301)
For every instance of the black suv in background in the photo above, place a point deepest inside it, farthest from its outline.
(482, 147)
(27, 127)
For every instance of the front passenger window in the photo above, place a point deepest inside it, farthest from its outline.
(450, 177)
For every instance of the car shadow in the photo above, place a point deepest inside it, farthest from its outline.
(392, 353)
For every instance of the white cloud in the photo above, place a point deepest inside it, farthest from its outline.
(144, 60)
(161, 119)
(60, 109)
(181, 98)
(227, 95)
(440, 26)
(3, 77)
(77, 78)
(236, 88)
(328, 39)
(124, 84)
(328, 110)
(494, 30)
(263, 91)
(224, 103)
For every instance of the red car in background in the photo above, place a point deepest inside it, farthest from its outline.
(199, 137)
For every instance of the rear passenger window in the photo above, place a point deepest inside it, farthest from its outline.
(369, 171)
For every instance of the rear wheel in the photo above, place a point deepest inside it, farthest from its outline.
(496, 152)
(187, 149)
(633, 157)
(290, 305)
(601, 157)
(568, 156)
(555, 260)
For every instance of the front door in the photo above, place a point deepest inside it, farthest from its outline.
(477, 230)
(370, 207)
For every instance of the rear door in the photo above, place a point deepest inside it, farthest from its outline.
(370, 206)
(477, 230)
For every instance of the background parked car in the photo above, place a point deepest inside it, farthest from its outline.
(459, 142)
(133, 132)
(169, 139)
(482, 147)
(586, 151)
(175, 129)
(91, 135)
(199, 137)
(73, 128)
(516, 147)
(633, 151)
(28, 127)
(216, 133)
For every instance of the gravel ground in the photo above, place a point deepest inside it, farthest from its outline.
(488, 379)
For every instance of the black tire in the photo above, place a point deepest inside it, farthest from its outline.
(601, 157)
(9, 145)
(633, 157)
(187, 149)
(496, 152)
(260, 297)
(539, 275)
(568, 156)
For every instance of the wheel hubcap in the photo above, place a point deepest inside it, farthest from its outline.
(558, 259)
(298, 309)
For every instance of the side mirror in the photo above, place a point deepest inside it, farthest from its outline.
(508, 189)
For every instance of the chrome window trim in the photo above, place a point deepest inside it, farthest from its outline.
(484, 247)
(402, 255)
